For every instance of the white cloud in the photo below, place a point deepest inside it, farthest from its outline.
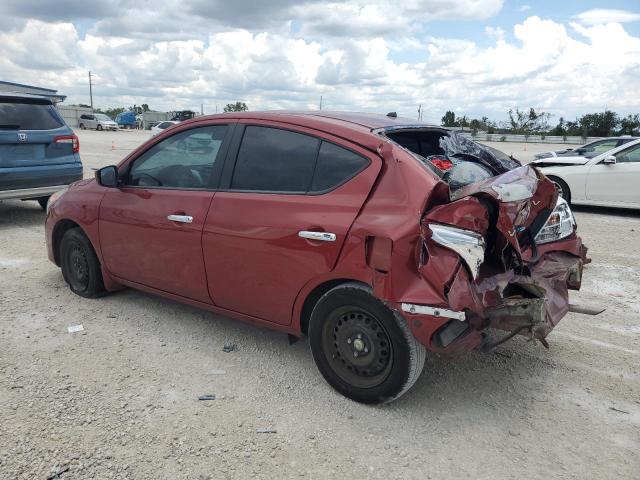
(567, 69)
(598, 16)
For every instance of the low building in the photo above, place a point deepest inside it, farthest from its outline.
(22, 88)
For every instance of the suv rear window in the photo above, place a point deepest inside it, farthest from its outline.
(21, 114)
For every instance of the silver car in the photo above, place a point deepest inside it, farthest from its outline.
(97, 121)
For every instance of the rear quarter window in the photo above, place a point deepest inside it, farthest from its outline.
(29, 116)
(335, 166)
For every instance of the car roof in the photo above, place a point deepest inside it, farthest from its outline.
(354, 126)
(25, 96)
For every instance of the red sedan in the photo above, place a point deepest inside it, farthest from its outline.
(378, 237)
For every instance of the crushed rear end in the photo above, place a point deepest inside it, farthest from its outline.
(500, 253)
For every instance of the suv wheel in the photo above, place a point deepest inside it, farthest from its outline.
(43, 202)
(363, 349)
(99, 128)
(80, 265)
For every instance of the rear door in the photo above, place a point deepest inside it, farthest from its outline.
(616, 182)
(32, 134)
(290, 196)
(151, 227)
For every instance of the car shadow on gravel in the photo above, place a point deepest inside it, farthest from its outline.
(470, 384)
(616, 212)
(16, 213)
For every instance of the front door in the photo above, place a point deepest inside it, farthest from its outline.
(616, 182)
(282, 219)
(151, 227)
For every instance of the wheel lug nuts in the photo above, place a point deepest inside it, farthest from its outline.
(366, 350)
(355, 354)
(348, 340)
(359, 335)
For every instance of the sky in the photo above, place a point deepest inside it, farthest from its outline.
(475, 57)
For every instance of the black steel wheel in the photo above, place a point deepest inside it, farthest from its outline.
(362, 348)
(80, 265)
(99, 128)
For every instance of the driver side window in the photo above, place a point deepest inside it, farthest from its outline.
(631, 155)
(184, 160)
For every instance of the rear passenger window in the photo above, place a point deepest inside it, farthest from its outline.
(336, 165)
(275, 160)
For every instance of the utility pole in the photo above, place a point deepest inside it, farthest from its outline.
(320, 102)
(420, 112)
(90, 92)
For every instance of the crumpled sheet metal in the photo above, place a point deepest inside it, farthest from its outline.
(456, 144)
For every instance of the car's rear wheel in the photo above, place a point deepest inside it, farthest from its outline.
(362, 348)
(563, 188)
(99, 128)
(80, 265)
(43, 202)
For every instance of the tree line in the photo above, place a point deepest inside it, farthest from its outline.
(532, 122)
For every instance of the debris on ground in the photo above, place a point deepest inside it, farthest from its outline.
(59, 473)
(75, 328)
(229, 347)
(207, 397)
(266, 430)
(618, 410)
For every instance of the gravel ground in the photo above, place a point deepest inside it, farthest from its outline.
(120, 399)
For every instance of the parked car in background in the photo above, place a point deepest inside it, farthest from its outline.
(376, 236)
(610, 179)
(160, 127)
(39, 153)
(96, 121)
(588, 150)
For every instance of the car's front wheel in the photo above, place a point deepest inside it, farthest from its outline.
(362, 348)
(563, 188)
(99, 128)
(80, 265)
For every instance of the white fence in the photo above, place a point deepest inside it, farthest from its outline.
(71, 114)
(503, 137)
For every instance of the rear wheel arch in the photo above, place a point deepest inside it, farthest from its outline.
(315, 295)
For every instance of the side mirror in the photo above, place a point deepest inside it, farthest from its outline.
(107, 176)
(611, 159)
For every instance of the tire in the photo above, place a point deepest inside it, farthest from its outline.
(80, 265)
(563, 188)
(82, 127)
(99, 128)
(43, 202)
(363, 349)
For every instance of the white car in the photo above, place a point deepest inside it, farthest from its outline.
(610, 179)
(160, 127)
(97, 121)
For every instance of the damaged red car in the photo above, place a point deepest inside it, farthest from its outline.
(376, 236)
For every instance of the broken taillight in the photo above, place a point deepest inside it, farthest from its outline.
(440, 162)
(72, 139)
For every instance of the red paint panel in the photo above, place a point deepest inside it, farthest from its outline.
(141, 245)
(255, 261)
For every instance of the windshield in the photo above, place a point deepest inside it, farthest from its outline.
(103, 117)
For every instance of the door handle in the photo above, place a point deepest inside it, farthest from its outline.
(180, 218)
(322, 236)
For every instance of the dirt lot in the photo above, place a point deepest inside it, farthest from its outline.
(120, 399)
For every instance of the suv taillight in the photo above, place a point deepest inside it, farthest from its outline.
(72, 139)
